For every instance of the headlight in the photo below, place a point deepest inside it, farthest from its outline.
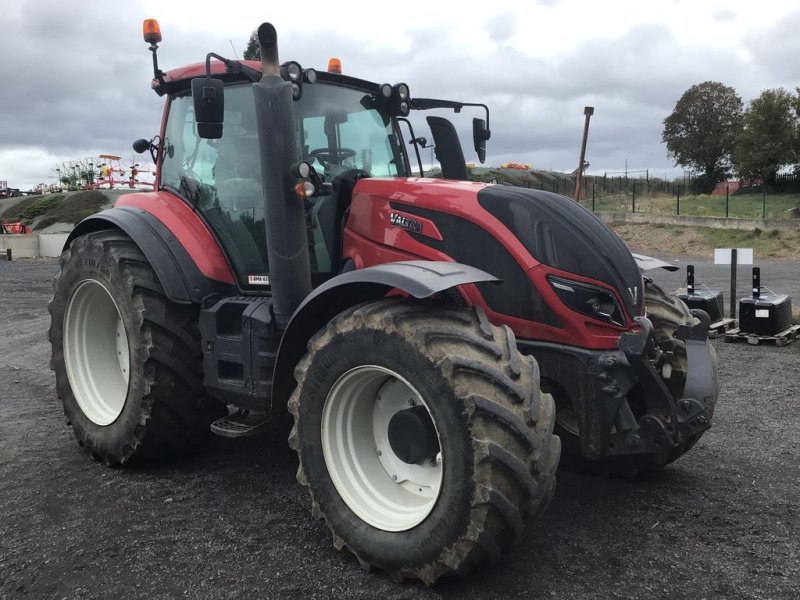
(588, 299)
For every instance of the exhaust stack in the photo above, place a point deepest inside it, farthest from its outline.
(287, 243)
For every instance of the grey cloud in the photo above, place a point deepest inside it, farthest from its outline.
(724, 15)
(501, 27)
(776, 49)
(81, 81)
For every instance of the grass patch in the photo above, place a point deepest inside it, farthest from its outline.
(31, 205)
(77, 207)
(40, 206)
(43, 211)
(701, 241)
(742, 206)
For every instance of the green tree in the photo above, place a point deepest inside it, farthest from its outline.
(701, 131)
(767, 141)
(253, 51)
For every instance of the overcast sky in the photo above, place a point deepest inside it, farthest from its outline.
(76, 75)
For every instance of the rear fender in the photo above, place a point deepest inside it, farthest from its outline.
(418, 278)
(179, 275)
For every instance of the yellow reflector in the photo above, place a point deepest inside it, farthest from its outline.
(334, 66)
(151, 31)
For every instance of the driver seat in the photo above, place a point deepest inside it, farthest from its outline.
(327, 220)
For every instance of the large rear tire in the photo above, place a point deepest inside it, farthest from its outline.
(666, 312)
(422, 437)
(127, 361)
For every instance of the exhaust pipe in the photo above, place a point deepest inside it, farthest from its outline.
(287, 243)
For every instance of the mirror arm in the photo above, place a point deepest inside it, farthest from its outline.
(414, 142)
(232, 66)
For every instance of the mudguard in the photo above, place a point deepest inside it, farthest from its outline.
(417, 278)
(182, 280)
(647, 263)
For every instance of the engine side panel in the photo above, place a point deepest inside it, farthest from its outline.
(435, 219)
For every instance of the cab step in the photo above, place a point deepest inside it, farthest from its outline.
(242, 423)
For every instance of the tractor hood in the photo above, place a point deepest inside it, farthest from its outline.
(562, 234)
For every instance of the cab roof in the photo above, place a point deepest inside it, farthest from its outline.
(178, 80)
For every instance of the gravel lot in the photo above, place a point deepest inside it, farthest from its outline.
(723, 522)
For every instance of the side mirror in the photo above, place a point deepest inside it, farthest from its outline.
(480, 133)
(209, 106)
(141, 145)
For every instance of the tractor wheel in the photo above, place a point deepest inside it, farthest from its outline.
(422, 437)
(667, 312)
(127, 361)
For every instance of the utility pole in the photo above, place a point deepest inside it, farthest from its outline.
(588, 111)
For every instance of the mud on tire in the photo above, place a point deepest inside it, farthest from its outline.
(494, 431)
(165, 411)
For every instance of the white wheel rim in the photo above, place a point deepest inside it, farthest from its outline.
(96, 352)
(376, 485)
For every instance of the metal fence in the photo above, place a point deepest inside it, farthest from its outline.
(645, 194)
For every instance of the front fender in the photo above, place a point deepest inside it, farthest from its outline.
(177, 271)
(418, 278)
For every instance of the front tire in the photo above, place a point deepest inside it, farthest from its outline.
(127, 361)
(422, 437)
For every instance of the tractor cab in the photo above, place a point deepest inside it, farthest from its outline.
(345, 129)
(340, 131)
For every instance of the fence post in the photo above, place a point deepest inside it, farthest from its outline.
(764, 202)
(679, 201)
(633, 201)
(727, 197)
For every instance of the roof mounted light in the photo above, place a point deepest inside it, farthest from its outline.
(291, 71)
(334, 65)
(297, 91)
(310, 75)
(401, 89)
(385, 91)
(151, 31)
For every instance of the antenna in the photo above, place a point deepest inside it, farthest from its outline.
(236, 56)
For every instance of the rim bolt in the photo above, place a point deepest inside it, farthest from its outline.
(394, 477)
(380, 453)
(412, 402)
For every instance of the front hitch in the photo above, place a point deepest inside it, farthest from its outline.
(668, 421)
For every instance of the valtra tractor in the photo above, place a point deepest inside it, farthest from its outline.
(427, 336)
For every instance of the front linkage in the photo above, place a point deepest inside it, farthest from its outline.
(621, 403)
(668, 421)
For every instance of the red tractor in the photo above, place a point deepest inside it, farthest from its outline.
(426, 335)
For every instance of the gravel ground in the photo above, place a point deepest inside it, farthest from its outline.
(722, 522)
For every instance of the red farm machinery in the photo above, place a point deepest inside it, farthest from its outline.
(438, 343)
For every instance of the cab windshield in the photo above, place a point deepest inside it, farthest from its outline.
(338, 130)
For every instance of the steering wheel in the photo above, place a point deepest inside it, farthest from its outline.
(332, 155)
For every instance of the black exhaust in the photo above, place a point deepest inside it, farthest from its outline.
(287, 243)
